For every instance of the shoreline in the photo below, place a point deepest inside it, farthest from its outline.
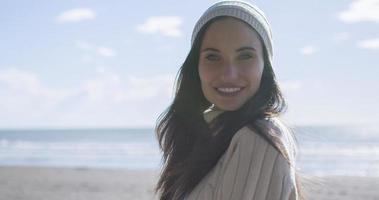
(55, 183)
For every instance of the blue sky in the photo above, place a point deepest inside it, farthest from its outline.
(88, 64)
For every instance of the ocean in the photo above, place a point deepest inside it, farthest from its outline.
(323, 150)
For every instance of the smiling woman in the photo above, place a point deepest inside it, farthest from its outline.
(222, 137)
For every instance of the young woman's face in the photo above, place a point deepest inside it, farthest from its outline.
(230, 64)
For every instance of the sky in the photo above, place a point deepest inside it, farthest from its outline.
(112, 64)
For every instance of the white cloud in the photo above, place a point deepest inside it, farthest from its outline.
(101, 69)
(369, 44)
(106, 86)
(105, 51)
(87, 58)
(111, 87)
(29, 84)
(308, 50)
(93, 50)
(105, 100)
(291, 85)
(361, 11)
(342, 36)
(76, 15)
(165, 25)
(84, 45)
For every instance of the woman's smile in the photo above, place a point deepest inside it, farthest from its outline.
(229, 91)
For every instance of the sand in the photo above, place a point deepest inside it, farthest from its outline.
(36, 183)
(341, 187)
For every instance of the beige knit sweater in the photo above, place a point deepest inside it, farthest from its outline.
(250, 169)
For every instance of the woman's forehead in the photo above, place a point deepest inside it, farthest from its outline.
(230, 32)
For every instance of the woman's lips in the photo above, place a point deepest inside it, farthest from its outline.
(228, 91)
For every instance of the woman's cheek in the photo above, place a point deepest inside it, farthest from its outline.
(206, 73)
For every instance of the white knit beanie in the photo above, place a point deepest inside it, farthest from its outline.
(244, 11)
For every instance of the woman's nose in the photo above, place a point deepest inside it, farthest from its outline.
(229, 71)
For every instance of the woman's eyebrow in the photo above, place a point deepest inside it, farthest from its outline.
(246, 48)
(238, 50)
(210, 49)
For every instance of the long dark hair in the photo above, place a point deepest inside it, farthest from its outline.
(189, 149)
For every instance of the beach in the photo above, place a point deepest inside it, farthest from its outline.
(40, 183)
(47, 183)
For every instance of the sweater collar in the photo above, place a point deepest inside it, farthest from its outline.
(211, 113)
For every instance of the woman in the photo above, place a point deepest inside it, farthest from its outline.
(221, 136)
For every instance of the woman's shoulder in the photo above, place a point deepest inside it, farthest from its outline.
(248, 136)
(274, 128)
(248, 140)
(247, 145)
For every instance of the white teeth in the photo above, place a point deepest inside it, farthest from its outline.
(229, 89)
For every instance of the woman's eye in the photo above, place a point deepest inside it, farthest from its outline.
(212, 57)
(245, 56)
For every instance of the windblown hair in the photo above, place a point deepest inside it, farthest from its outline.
(189, 149)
